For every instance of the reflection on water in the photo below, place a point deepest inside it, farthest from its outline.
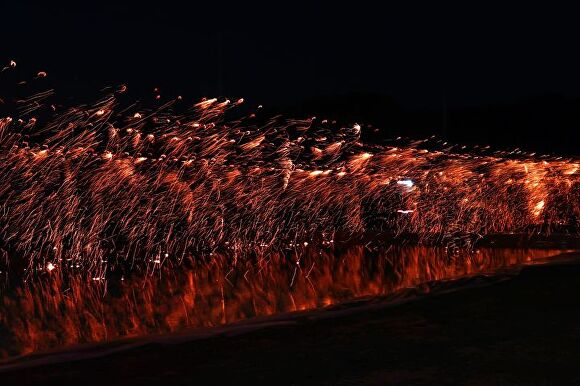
(50, 312)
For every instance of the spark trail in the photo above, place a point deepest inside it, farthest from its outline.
(114, 182)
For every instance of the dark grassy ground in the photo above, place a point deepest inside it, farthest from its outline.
(520, 331)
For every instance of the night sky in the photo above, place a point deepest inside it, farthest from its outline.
(442, 59)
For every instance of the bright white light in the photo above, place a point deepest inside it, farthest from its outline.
(407, 183)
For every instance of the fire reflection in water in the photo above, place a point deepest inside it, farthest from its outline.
(52, 312)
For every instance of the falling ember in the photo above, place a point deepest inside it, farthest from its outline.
(573, 169)
(538, 208)
(99, 183)
(206, 103)
(50, 267)
(267, 197)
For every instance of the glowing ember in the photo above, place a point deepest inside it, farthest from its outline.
(102, 182)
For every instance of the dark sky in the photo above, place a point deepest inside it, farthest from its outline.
(283, 53)
(461, 64)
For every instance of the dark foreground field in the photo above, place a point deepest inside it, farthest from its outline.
(516, 329)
